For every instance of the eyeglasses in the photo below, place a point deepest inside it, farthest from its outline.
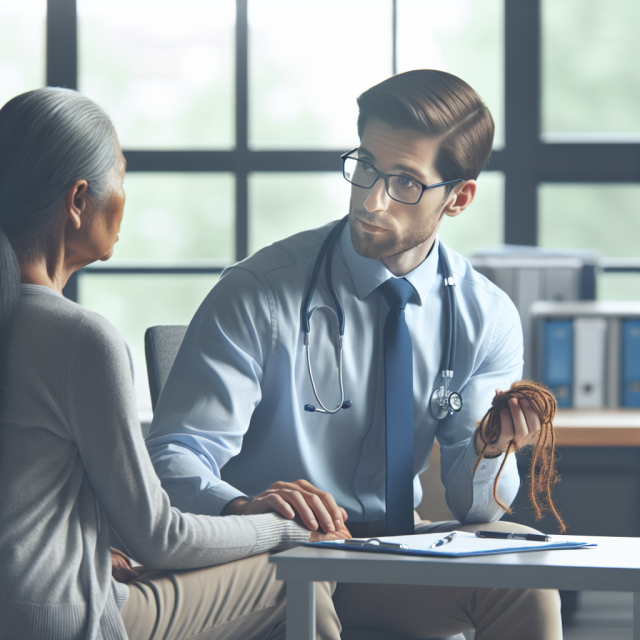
(399, 188)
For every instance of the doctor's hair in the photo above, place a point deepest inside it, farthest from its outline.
(441, 106)
(49, 139)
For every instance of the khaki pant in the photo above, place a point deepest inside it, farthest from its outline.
(243, 601)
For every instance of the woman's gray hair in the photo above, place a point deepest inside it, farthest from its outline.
(49, 139)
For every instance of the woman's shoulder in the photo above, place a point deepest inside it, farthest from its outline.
(47, 314)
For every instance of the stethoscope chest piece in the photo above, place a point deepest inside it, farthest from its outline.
(443, 401)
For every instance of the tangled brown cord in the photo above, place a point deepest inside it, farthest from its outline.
(542, 473)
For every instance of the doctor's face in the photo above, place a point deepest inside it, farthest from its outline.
(382, 228)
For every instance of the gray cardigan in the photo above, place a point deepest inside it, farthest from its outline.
(73, 462)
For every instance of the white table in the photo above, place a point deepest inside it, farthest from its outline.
(612, 566)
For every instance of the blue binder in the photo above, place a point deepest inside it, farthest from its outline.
(631, 363)
(557, 358)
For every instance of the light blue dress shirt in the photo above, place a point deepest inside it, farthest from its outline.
(231, 420)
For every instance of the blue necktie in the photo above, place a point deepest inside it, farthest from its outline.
(398, 375)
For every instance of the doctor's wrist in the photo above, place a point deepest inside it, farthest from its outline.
(489, 452)
(234, 507)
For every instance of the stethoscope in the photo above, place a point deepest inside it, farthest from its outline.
(443, 401)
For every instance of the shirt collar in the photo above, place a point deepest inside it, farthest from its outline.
(368, 273)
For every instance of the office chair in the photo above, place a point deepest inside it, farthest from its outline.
(161, 344)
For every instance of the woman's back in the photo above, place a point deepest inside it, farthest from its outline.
(51, 529)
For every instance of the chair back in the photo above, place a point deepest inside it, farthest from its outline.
(161, 345)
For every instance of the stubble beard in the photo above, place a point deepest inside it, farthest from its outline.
(415, 235)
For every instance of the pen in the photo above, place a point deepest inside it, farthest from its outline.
(532, 537)
(374, 542)
(439, 543)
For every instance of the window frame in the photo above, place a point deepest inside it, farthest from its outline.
(526, 159)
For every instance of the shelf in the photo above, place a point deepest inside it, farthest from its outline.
(597, 428)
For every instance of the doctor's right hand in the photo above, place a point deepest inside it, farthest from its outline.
(316, 508)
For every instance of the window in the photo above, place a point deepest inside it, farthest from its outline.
(233, 113)
(22, 51)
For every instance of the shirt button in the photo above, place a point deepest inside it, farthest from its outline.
(483, 466)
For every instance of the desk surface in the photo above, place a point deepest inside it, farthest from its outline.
(597, 428)
(614, 565)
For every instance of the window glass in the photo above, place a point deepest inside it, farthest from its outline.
(463, 37)
(22, 43)
(285, 203)
(177, 216)
(618, 286)
(590, 216)
(133, 303)
(163, 69)
(590, 61)
(276, 211)
(308, 62)
(481, 226)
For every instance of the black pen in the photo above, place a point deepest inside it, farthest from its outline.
(445, 540)
(374, 542)
(532, 537)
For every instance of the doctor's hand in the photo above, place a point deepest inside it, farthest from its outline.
(339, 534)
(519, 424)
(316, 508)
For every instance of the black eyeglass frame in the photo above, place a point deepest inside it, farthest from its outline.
(385, 177)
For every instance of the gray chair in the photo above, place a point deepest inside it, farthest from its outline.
(161, 345)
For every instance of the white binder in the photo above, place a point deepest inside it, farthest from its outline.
(590, 357)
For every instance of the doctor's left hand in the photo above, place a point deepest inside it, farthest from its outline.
(316, 508)
(519, 424)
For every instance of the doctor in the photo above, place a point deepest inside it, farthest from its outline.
(252, 419)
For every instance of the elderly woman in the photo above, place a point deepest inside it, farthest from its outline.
(72, 459)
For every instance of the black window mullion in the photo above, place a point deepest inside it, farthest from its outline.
(62, 44)
(242, 130)
(62, 69)
(522, 120)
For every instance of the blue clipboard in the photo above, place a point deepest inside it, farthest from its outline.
(463, 545)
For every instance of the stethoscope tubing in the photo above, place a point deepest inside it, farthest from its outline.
(326, 254)
(305, 315)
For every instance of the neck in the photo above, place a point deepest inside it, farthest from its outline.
(53, 276)
(37, 273)
(407, 261)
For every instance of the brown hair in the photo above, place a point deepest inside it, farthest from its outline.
(542, 472)
(443, 107)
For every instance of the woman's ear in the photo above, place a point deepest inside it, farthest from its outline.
(76, 203)
(460, 198)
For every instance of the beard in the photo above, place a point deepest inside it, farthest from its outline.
(395, 243)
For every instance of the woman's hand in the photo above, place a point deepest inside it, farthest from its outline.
(121, 568)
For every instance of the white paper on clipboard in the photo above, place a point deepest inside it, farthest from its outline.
(464, 544)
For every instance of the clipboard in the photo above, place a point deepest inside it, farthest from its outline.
(463, 545)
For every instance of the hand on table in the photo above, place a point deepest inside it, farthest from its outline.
(519, 424)
(316, 508)
(340, 534)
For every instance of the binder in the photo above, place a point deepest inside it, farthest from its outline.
(463, 545)
(589, 347)
(631, 363)
(557, 368)
(613, 370)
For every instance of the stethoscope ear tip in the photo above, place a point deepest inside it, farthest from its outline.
(347, 404)
(309, 407)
